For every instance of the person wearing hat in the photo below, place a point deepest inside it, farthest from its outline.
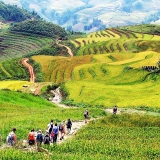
(39, 139)
(11, 138)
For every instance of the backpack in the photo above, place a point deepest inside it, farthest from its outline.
(55, 130)
(39, 138)
(10, 138)
(86, 113)
(46, 139)
(60, 127)
(51, 127)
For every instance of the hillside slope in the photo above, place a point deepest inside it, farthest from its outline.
(112, 67)
(80, 15)
(15, 14)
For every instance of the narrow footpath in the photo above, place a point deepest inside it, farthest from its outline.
(30, 69)
(62, 45)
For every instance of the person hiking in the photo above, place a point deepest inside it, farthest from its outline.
(11, 138)
(50, 127)
(62, 130)
(31, 137)
(46, 139)
(55, 132)
(39, 140)
(115, 110)
(86, 115)
(69, 125)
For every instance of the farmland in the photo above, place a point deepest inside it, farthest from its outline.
(114, 137)
(108, 68)
(109, 75)
(16, 45)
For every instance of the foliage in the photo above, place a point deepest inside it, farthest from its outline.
(40, 28)
(143, 28)
(53, 50)
(14, 70)
(12, 85)
(37, 70)
(13, 13)
(26, 111)
(114, 137)
(16, 45)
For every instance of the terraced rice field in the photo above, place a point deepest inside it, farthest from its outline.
(16, 45)
(60, 69)
(115, 40)
(13, 69)
(105, 79)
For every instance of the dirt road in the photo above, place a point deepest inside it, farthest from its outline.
(69, 50)
(30, 68)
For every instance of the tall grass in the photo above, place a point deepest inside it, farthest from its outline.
(25, 111)
(124, 136)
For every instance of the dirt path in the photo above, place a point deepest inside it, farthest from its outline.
(76, 125)
(30, 68)
(132, 111)
(69, 50)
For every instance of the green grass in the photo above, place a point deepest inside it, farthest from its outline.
(25, 111)
(117, 137)
(112, 137)
(95, 93)
(143, 28)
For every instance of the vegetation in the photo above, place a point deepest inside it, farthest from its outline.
(39, 27)
(105, 79)
(128, 136)
(13, 85)
(14, 13)
(14, 70)
(108, 69)
(143, 28)
(52, 50)
(24, 111)
(16, 45)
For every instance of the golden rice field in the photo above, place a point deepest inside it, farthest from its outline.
(13, 85)
(106, 79)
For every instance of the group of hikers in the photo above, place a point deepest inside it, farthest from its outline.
(53, 131)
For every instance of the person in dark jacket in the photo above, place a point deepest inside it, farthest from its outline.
(39, 140)
(69, 126)
(115, 110)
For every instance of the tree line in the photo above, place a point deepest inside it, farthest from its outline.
(39, 27)
(16, 14)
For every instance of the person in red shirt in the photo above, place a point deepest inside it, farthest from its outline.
(31, 137)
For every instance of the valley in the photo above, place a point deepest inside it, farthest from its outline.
(115, 66)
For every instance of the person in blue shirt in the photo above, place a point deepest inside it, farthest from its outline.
(55, 132)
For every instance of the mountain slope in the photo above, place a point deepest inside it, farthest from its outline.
(14, 13)
(80, 15)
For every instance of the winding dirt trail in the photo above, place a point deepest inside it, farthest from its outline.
(69, 50)
(30, 68)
